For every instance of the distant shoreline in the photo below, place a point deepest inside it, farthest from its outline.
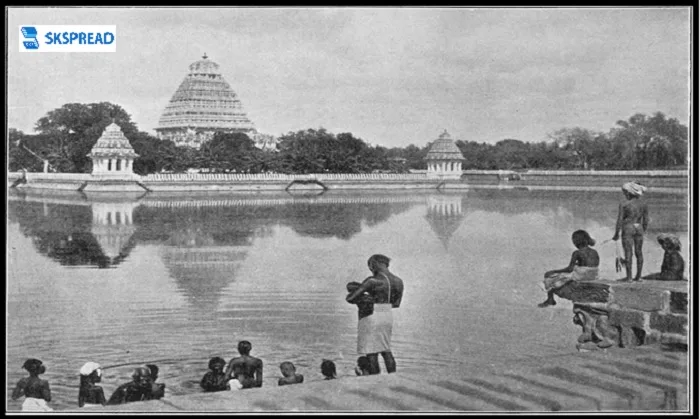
(183, 183)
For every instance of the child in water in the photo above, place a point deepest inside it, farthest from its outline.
(365, 303)
(328, 369)
(35, 390)
(91, 395)
(362, 367)
(582, 267)
(290, 374)
(157, 389)
(215, 379)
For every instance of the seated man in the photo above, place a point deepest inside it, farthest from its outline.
(248, 370)
(139, 389)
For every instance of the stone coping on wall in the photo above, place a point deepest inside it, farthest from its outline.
(629, 314)
(626, 173)
(353, 176)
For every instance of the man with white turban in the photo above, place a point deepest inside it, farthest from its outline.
(632, 221)
(634, 188)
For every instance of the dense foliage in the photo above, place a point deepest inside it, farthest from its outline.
(66, 135)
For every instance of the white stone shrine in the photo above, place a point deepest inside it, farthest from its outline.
(444, 158)
(112, 154)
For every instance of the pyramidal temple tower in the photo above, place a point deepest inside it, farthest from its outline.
(203, 105)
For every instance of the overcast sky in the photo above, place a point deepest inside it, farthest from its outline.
(391, 76)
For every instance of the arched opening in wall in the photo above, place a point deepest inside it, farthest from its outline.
(119, 164)
(109, 165)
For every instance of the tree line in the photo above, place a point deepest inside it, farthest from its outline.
(65, 136)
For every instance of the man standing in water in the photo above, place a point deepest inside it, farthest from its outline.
(248, 370)
(632, 220)
(374, 330)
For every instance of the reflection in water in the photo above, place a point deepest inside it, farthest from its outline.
(77, 234)
(113, 228)
(193, 275)
(445, 215)
(203, 241)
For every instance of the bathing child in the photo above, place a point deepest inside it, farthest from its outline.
(365, 303)
(157, 389)
(215, 379)
(328, 369)
(290, 375)
(363, 366)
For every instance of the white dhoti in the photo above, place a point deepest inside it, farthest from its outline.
(374, 331)
(234, 384)
(35, 405)
(580, 273)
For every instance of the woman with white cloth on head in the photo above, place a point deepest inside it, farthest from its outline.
(35, 390)
(91, 395)
(632, 221)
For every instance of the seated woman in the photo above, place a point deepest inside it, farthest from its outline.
(582, 267)
(673, 265)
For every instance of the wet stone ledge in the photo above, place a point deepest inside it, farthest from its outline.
(628, 314)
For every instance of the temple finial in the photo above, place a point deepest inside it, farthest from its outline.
(204, 56)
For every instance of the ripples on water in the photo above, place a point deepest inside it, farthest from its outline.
(175, 281)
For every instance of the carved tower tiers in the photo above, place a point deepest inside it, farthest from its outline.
(444, 158)
(203, 105)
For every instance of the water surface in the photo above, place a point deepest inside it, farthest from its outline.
(174, 280)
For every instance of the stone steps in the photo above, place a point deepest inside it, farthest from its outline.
(645, 378)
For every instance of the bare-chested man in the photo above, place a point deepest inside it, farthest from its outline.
(632, 221)
(35, 390)
(374, 328)
(248, 370)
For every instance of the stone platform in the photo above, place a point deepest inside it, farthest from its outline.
(648, 378)
(629, 314)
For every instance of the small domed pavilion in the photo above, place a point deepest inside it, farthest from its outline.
(444, 158)
(112, 154)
